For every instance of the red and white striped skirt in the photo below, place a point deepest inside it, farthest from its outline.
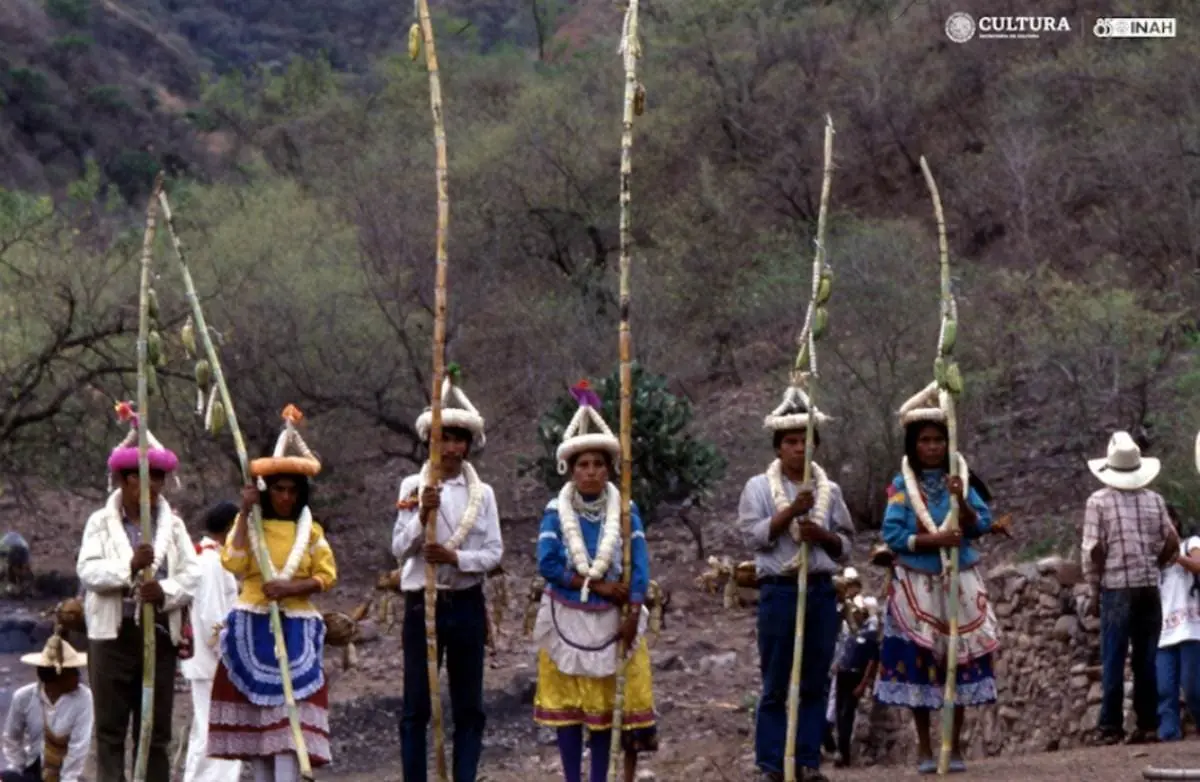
(240, 730)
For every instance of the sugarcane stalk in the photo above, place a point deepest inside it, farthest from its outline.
(144, 510)
(630, 50)
(949, 390)
(439, 369)
(261, 555)
(807, 375)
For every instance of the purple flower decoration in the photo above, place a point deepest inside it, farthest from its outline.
(585, 396)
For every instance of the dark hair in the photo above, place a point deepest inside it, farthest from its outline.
(48, 675)
(459, 433)
(605, 455)
(777, 438)
(302, 495)
(126, 473)
(456, 433)
(913, 431)
(219, 518)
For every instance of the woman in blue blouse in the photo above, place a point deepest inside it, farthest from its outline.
(915, 634)
(579, 620)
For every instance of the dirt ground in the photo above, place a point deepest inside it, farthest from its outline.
(1101, 764)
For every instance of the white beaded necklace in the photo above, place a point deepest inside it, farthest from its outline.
(779, 495)
(474, 503)
(163, 532)
(610, 534)
(304, 527)
(917, 501)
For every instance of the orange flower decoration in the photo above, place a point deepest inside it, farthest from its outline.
(124, 411)
(292, 414)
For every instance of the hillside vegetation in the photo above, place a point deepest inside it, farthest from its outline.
(1069, 166)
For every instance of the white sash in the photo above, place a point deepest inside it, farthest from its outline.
(581, 643)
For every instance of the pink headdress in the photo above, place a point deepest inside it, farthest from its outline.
(125, 456)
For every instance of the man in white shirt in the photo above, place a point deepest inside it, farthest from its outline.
(216, 593)
(111, 559)
(469, 546)
(49, 724)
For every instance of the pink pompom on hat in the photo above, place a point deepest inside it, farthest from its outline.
(125, 456)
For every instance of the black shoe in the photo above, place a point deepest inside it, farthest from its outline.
(1106, 737)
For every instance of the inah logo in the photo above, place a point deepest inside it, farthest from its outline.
(960, 27)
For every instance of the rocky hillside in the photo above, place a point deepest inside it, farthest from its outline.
(121, 82)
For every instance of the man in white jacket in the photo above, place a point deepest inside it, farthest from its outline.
(111, 558)
(216, 593)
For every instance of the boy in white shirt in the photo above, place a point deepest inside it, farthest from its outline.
(49, 724)
(1178, 658)
(216, 592)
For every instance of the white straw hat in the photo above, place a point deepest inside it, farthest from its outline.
(1124, 467)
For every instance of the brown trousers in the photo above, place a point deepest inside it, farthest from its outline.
(115, 674)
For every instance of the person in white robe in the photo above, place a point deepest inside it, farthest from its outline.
(215, 595)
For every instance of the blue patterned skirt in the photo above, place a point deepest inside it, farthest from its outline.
(248, 717)
(911, 676)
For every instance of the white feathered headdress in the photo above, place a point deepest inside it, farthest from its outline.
(925, 405)
(577, 438)
(794, 412)
(462, 416)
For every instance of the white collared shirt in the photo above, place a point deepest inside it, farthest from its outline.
(24, 736)
(479, 554)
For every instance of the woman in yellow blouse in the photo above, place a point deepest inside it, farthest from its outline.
(249, 719)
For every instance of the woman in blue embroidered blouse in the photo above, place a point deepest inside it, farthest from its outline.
(915, 633)
(579, 620)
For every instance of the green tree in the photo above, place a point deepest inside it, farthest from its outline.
(669, 465)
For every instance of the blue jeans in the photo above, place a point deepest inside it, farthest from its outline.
(1177, 666)
(461, 636)
(1130, 620)
(776, 638)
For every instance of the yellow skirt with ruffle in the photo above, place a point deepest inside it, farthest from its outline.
(564, 700)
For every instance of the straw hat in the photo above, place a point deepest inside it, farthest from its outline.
(300, 460)
(882, 556)
(1124, 467)
(56, 654)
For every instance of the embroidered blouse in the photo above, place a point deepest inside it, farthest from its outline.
(317, 562)
(556, 566)
(900, 523)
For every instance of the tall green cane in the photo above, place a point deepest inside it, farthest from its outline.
(805, 374)
(949, 380)
(261, 555)
(143, 443)
(633, 105)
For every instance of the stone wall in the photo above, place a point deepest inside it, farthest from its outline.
(1047, 672)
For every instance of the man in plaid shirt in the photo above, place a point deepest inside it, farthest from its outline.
(1128, 539)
